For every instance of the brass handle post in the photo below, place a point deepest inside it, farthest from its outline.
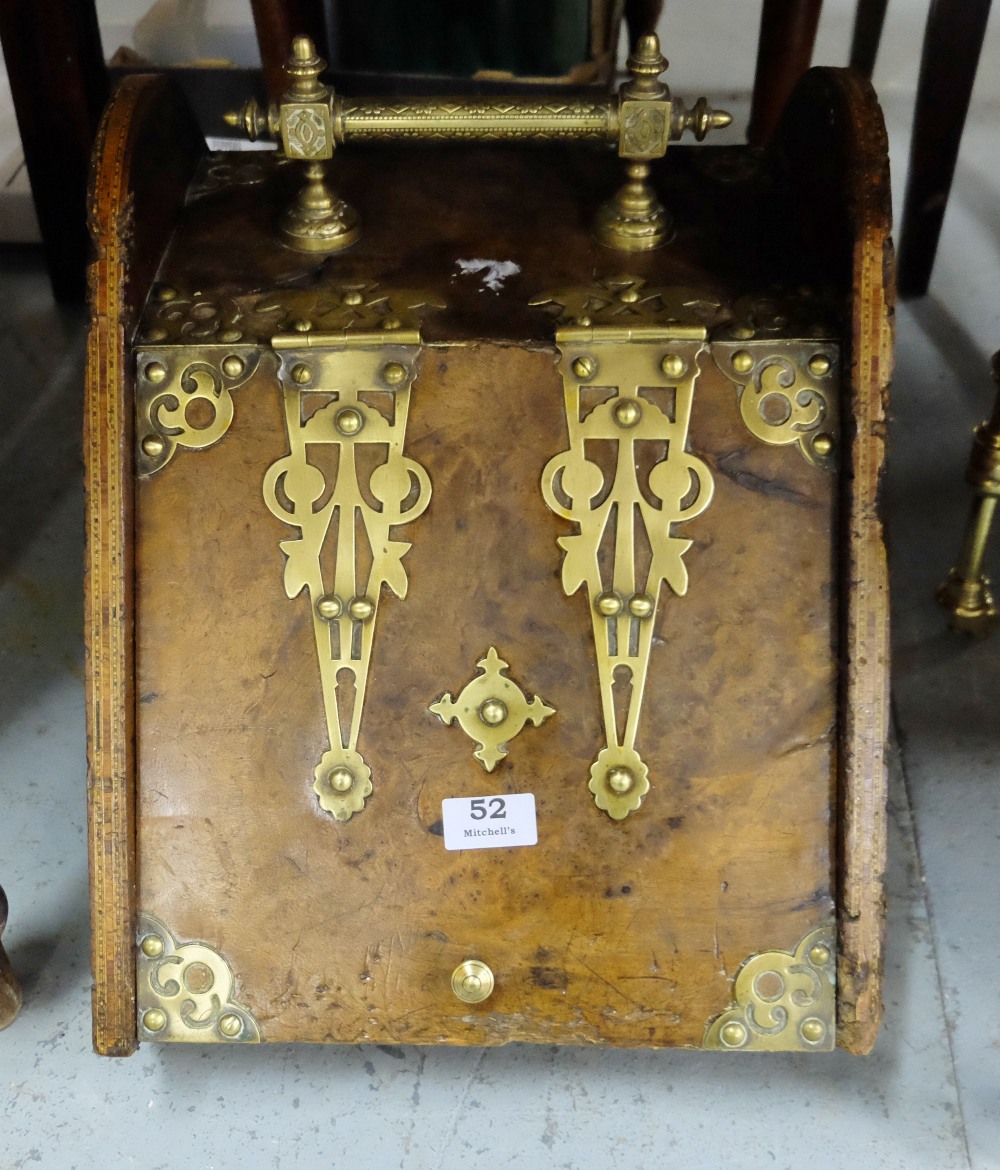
(966, 590)
(311, 121)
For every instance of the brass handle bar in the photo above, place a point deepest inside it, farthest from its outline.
(506, 120)
(311, 121)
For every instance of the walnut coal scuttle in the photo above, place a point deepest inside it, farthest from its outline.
(486, 597)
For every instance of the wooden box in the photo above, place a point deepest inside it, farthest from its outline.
(479, 509)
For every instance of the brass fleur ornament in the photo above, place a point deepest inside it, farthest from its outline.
(492, 709)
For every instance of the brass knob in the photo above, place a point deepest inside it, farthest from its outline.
(472, 981)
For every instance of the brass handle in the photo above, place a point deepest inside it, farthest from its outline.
(311, 121)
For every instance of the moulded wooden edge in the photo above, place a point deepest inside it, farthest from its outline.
(143, 114)
(856, 133)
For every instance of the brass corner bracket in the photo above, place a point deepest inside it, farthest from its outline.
(185, 991)
(310, 121)
(783, 1001)
(491, 710)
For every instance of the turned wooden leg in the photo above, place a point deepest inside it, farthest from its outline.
(59, 85)
(784, 53)
(868, 21)
(10, 989)
(966, 591)
(641, 17)
(952, 43)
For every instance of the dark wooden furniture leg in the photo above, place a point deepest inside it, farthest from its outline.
(276, 22)
(868, 22)
(952, 43)
(59, 83)
(10, 990)
(641, 17)
(784, 53)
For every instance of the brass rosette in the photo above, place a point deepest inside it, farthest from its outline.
(619, 780)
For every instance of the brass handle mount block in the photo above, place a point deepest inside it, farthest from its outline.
(310, 121)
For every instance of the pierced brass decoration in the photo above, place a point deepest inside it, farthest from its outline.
(173, 317)
(345, 451)
(492, 710)
(185, 991)
(966, 591)
(787, 397)
(782, 1002)
(625, 393)
(311, 121)
(185, 400)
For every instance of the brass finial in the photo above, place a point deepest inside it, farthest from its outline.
(646, 63)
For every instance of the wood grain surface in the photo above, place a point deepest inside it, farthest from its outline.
(620, 933)
(142, 163)
(835, 141)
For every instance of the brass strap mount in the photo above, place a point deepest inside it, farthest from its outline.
(310, 121)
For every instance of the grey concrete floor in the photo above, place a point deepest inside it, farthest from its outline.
(928, 1097)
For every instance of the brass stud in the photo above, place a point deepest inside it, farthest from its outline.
(472, 981)
(640, 605)
(301, 374)
(152, 946)
(819, 955)
(742, 362)
(823, 444)
(230, 1026)
(353, 298)
(302, 325)
(166, 293)
(608, 604)
(819, 364)
(493, 712)
(627, 413)
(156, 334)
(620, 780)
(232, 366)
(361, 609)
(153, 446)
(228, 336)
(742, 332)
(349, 421)
(733, 1034)
(629, 296)
(391, 323)
(393, 373)
(812, 1030)
(584, 367)
(329, 607)
(155, 371)
(584, 322)
(673, 365)
(341, 779)
(155, 1020)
